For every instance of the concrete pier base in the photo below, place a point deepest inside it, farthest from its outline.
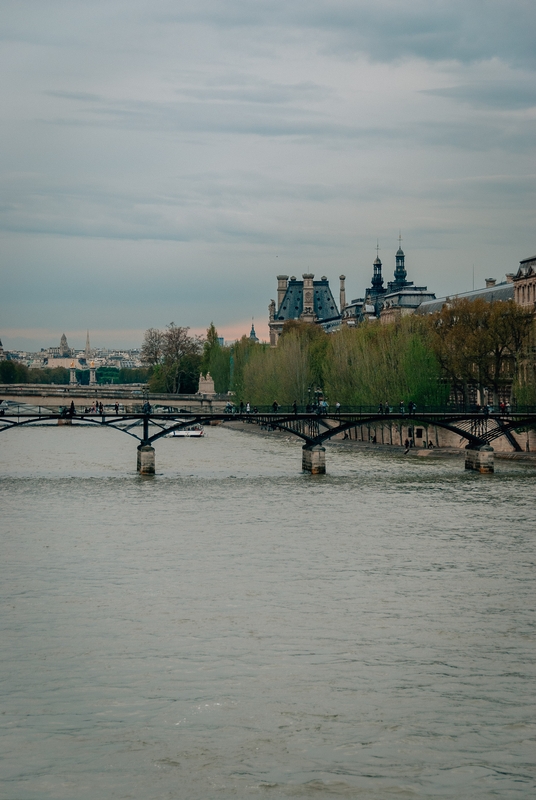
(146, 460)
(314, 459)
(481, 459)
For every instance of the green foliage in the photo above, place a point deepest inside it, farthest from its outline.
(211, 343)
(176, 377)
(284, 373)
(13, 372)
(374, 364)
(175, 359)
(367, 365)
(216, 360)
(480, 344)
(220, 368)
(57, 376)
(135, 374)
(82, 377)
(107, 375)
(241, 353)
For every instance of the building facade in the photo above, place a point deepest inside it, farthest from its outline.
(525, 283)
(493, 292)
(387, 303)
(306, 300)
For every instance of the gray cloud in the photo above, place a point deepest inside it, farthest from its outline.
(387, 30)
(492, 95)
(165, 160)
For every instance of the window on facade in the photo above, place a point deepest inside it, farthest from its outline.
(418, 433)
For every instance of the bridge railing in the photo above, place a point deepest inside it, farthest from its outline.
(383, 410)
(396, 410)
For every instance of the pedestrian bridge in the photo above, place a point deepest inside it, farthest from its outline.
(314, 427)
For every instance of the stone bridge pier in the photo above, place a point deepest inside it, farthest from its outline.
(480, 459)
(146, 459)
(314, 459)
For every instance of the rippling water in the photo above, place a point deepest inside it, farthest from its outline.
(234, 628)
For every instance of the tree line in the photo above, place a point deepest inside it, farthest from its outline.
(468, 351)
(15, 372)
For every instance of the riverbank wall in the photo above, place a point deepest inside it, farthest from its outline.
(369, 437)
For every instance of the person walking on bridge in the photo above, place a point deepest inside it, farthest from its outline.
(295, 407)
(275, 406)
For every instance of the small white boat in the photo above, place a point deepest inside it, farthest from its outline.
(195, 432)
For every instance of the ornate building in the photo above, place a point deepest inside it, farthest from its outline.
(64, 350)
(492, 293)
(306, 300)
(387, 303)
(525, 283)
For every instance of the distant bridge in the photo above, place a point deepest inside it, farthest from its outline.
(314, 427)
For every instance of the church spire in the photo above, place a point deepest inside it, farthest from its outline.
(252, 334)
(88, 347)
(377, 278)
(400, 269)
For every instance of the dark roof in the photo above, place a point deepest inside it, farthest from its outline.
(291, 307)
(500, 291)
(527, 267)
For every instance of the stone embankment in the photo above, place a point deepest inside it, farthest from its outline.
(131, 396)
(378, 447)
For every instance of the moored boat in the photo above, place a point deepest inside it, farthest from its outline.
(195, 432)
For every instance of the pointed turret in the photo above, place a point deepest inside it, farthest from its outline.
(377, 278)
(400, 269)
(252, 334)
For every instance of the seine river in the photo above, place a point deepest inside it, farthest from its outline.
(234, 628)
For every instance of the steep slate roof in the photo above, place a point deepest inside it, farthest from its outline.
(501, 291)
(291, 307)
(527, 267)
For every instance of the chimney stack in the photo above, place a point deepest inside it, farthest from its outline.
(490, 282)
(308, 297)
(342, 278)
(282, 283)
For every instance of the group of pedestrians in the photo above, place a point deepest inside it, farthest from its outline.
(96, 408)
(385, 408)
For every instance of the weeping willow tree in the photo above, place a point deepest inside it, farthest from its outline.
(287, 372)
(375, 364)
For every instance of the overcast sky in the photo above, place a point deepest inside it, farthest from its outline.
(163, 161)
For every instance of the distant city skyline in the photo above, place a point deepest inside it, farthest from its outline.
(32, 339)
(165, 161)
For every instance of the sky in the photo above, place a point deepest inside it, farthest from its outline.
(164, 161)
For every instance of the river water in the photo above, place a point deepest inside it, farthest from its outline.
(233, 628)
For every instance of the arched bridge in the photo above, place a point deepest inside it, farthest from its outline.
(314, 427)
